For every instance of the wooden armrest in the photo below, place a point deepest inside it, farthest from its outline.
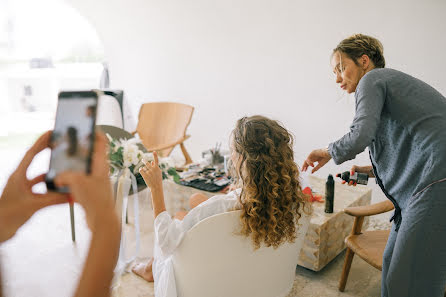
(369, 210)
(165, 146)
(134, 132)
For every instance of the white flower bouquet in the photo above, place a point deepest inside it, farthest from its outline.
(131, 154)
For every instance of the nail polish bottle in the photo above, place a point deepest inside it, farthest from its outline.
(329, 194)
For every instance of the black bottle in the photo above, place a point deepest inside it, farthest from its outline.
(329, 194)
(359, 178)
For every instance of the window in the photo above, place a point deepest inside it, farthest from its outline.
(45, 46)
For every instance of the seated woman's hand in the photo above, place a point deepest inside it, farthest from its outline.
(152, 173)
(18, 202)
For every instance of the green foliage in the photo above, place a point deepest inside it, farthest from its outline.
(116, 160)
(173, 172)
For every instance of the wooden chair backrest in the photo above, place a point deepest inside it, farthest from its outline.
(161, 123)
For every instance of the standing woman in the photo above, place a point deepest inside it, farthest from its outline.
(402, 121)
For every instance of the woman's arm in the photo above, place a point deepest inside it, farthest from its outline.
(94, 193)
(153, 177)
(97, 274)
(158, 201)
(18, 202)
(370, 97)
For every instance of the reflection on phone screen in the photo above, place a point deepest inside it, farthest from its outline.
(72, 136)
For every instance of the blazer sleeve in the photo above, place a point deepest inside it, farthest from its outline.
(370, 97)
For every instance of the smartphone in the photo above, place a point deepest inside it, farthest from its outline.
(72, 140)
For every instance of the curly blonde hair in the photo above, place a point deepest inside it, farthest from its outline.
(271, 198)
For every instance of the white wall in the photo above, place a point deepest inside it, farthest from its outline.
(230, 58)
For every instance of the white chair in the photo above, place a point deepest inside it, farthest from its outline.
(213, 261)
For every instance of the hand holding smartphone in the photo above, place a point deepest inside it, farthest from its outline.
(72, 140)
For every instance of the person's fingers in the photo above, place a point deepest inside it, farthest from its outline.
(50, 198)
(355, 184)
(100, 165)
(343, 182)
(70, 199)
(353, 169)
(350, 183)
(41, 143)
(37, 179)
(307, 163)
(316, 168)
(74, 180)
(68, 177)
(319, 165)
(143, 172)
(155, 156)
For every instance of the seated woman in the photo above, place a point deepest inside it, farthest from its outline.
(269, 196)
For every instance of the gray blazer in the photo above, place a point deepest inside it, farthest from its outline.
(402, 121)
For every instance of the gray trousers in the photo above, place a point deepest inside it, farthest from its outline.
(414, 261)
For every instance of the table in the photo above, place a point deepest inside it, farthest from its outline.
(176, 197)
(326, 233)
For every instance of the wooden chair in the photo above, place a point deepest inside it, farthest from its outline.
(162, 126)
(369, 245)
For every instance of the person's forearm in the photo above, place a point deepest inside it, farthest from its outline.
(349, 146)
(10, 221)
(158, 200)
(101, 260)
(6, 229)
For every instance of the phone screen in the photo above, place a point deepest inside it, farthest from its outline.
(73, 134)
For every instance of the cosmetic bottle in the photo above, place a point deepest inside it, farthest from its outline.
(329, 194)
(359, 178)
